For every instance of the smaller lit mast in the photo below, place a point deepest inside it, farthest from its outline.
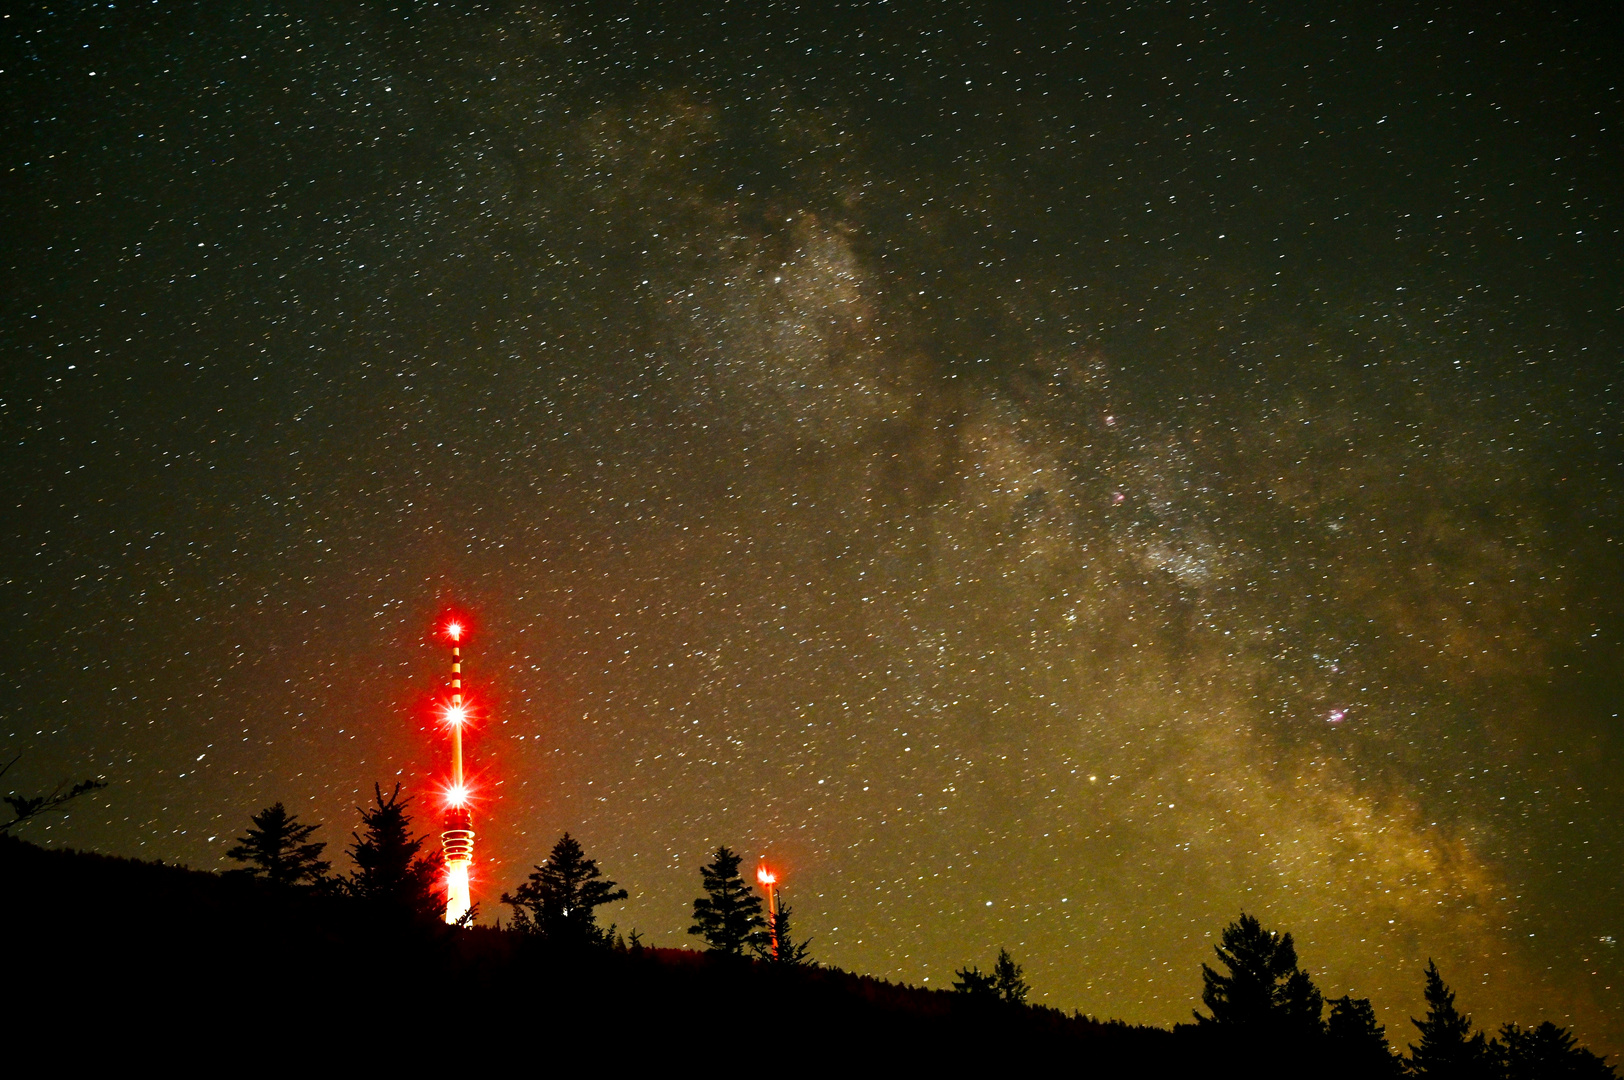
(769, 882)
(457, 841)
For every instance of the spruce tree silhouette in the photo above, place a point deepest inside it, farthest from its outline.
(1356, 1044)
(977, 986)
(278, 849)
(1265, 990)
(390, 876)
(790, 951)
(558, 901)
(1546, 1052)
(1449, 1050)
(1007, 979)
(728, 916)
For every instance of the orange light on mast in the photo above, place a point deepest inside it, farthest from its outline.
(769, 882)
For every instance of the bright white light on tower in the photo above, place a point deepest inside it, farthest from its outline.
(456, 887)
(453, 630)
(765, 876)
(456, 715)
(456, 795)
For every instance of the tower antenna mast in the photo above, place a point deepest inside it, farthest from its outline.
(769, 882)
(457, 841)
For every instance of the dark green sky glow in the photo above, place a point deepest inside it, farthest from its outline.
(1050, 482)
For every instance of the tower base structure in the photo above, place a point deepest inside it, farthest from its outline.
(457, 842)
(456, 891)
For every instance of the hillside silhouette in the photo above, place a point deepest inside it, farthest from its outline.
(142, 955)
(108, 956)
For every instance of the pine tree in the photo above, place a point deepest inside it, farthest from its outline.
(559, 899)
(729, 914)
(390, 875)
(278, 849)
(1357, 1044)
(1546, 1052)
(1264, 988)
(975, 985)
(1449, 1050)
(790, 951)
(1007, 979)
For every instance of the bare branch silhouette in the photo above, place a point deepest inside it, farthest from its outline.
(25, 807)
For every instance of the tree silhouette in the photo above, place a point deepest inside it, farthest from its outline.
(389, 874)
(1449, 1050)
(278, 849)
(559, 899)
(1007, 979)
(729, 914)
(24, 807)
(789, 951)
(1546, 1052)
(977, 986)
(1264, 988)
(1357, 1045)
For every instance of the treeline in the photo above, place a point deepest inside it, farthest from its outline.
(1263, 1011)
(1264, 1007)
(392, 875)
(556, 904)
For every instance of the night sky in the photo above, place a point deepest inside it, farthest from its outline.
(1047, 481)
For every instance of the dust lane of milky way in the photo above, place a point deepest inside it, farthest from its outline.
(1049, 481)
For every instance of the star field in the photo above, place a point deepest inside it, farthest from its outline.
(1048, 481)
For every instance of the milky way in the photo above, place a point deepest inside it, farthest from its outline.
(1051, 484)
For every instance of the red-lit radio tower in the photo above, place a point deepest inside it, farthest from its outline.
(457, 841)
(769, 882)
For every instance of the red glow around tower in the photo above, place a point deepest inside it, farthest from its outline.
(769, 882)
(454, 625)
(457, 839)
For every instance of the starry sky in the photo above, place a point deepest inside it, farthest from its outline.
(1048, 476)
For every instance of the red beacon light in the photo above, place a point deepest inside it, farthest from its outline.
(457, 839)
(766, 876)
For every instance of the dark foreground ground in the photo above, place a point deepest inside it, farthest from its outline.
(108, 960)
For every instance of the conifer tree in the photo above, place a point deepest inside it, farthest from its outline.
(1546, 1052)
(728, 916)
(559, 899)
(1007, 979)
(278, 849)
(978, 986)
(1264, 987)
(790, 951)
(1357, 1044)
(1449, 1050)
(390, 874)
